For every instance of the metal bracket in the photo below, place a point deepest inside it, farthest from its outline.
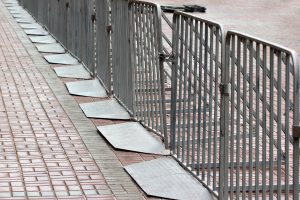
(166, 57)
(109, 28)
(67, 4)
(93, 17)
(296, 131)
(224, 89)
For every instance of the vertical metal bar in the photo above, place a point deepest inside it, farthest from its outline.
(264, 126)
(227, 52)
(210, 101)
(204, 126)
(155, 84)
(133, 40)
(244, 154)
(251, 57)
(279, 127)
(257, 120)
(151, 71)
(175, 47)
(271, 162)
(296, 100)
(161, 83)
(200, 100)
(181, 68)
(186, 49)
(146, 88)
(232, 111)
(238, 122)
(189, 82)
(196, 73)
(287, 121)
(216, 117)
(141, 64)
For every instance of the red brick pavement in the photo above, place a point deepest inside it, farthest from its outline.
(42, 155)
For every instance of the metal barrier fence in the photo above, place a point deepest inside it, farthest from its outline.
(196, 75)
(70, 22)
(147, 61)
(122, 70)
(261, 154)
(103, 44)
(233, 101)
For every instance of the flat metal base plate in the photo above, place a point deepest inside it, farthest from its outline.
(132, 136)
(14, 7)
(42, 39)
(17, 12)
(40, 32)
(75, 71)
(25, 20)
(88, 88)
(20, 15)
(65, 59)
(107, 109)
(31, 26)
(50, 48)
(165, 178)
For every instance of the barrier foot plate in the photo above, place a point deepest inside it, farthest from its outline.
(165, 178)
(11, 4)
(30, 26)
(50, 48)
(17, 12)
(88, 88)
(74, 71)
(20, 15)
(40, 32)
(42, 39)
(132, 136)
(64, 59)
(26, 20)
(107, 109)
(14, 7)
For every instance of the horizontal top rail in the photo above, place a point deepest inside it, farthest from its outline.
(263, 42)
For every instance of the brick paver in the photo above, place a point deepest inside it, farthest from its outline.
(48, 149)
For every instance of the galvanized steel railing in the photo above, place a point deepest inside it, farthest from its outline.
(122, 70)
(233, 124)
(262, 157)
(147, 61)
(195, 111)
(70, 22)
(103, 43)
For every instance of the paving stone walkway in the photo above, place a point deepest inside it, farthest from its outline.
(48, 149)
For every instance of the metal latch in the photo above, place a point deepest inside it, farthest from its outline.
(93, 17)
(296, 131)
(166, 57)
(108, 28)
(224, 89)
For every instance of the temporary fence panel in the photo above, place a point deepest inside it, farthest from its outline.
(103, 48)
(61, 22)
(147, 64)
(87, 34)
(195, 107)
(76, 24)
(122, 70)
(72, 11)
(261, 154)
